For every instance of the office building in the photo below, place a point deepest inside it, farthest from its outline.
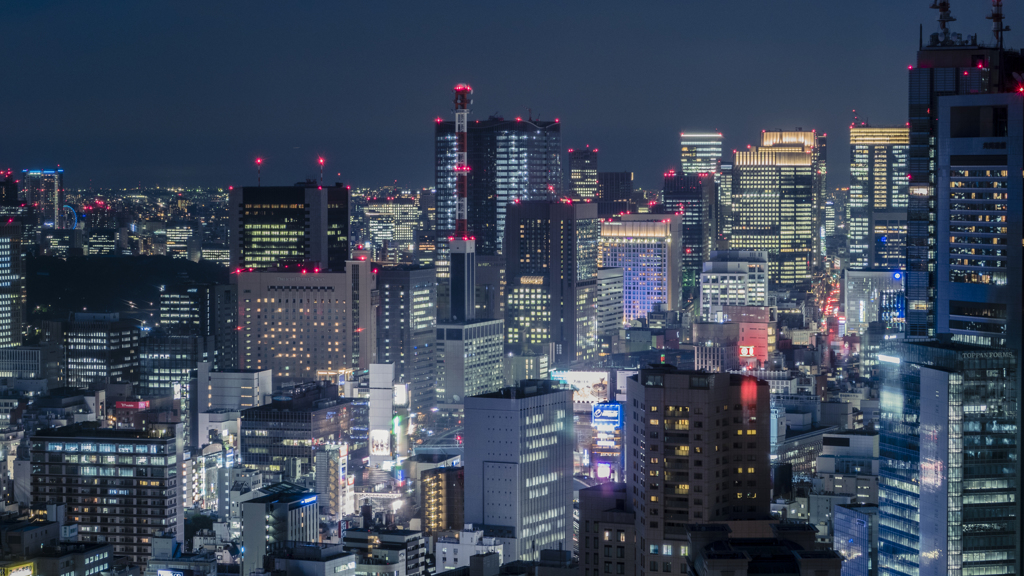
(44, 191)
(469, 362)
(275, 518)
(608, 543)
(166, 363)
(443, 490)
(725, 205)
(397, 552)
(231, 389)
(100, 349)
(74, 559)
(776, 194)
(135, 472)
(614, 186)
(610, 299)
(103, 242)
(583, 173)
(295, 323)
(393, 222)
(855, 538)
(12, 287)
(509, 160)
(948, 486)
(183, 240)
(208, 312)
(406, 334)
(453, 549)
(383, 430)
(33, 362)
(878, 197)
(519, 467)
(699, 453)
(277, 225)
(692, 198)
(282, 437)
(646, 248)
(711, 551)
(552, 259)
(742, 339)
(9, 191)
(733, 278)
(701, 153)
(948, 64)
(312, 559)
(981, 219)
(863, 292)
(491, 287)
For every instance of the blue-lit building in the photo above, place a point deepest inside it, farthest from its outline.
(949, 475)
(855, 538)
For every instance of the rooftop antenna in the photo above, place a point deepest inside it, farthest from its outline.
(944, 17)
(321, 160)
(259, 165)
(997, 22)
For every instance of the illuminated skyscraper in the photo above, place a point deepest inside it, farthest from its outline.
(405, 329)
(44, 190)
(508, 160)
(273, 225)
(775, 203)
(732, 278)
(393, 222)
(949, 467)
(878, 197)
(583, 173)
(12, 288)
(647, 249)
(519, 467)
(336, 312)
(100, 349)
(701, 152)
(947, 65)
(551, 249)
(692, 198)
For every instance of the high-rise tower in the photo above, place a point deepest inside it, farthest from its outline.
(947, 65)
(583, 173)
(878, 197)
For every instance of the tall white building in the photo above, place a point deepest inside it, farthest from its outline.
(700, 152)
(519, 467)
(469, 361)
(231, 389)
(647, 248)
(733, 278)
(610, 307)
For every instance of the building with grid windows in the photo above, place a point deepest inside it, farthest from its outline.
(552, 260)
(776, 198)
(119, 486)
(855, 538)
(393, 222)
(583, 173)
(647, 249)
(614, 186)
(610, 307)
(733, 278)
(691, 197)
(949, 468)
(509, 160)
(469, 362)
(405, 329)
(700, 152)
(878, 197)
(100, 349)
(981, 219)
(295, 323)
(519, 467)
(272, 225)
(44, 189)
(697, 452)
(12, 289)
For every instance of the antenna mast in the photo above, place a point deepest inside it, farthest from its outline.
(997, 22)
(462, 102)
(944, 16)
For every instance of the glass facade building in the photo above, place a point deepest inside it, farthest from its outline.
(878, 197)
(647, 249)
(776, 198)
(509, 160)
(700, 153)
(583, 173)
(949, 475)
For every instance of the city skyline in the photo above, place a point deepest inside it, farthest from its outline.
(291, 102)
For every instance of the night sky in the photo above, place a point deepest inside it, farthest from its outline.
(188, 93)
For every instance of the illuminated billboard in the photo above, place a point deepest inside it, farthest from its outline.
(607, 416)
(588, 387)
(380, 442)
